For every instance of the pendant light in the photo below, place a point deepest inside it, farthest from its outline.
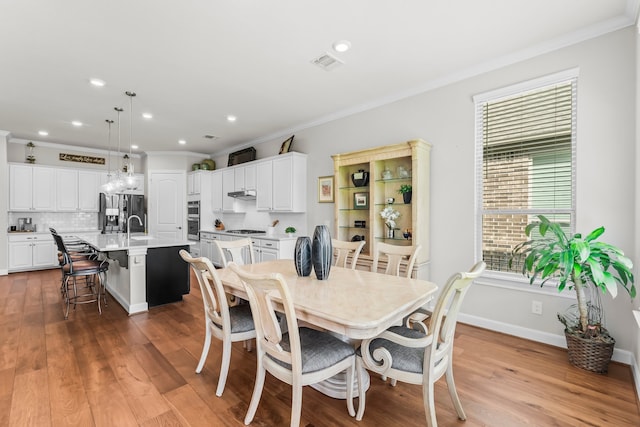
(131, 182)
(118, 182)
(107, 187)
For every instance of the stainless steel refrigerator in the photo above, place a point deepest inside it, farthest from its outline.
(115, 210)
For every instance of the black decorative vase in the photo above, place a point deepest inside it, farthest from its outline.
(321, 251)
(406, 197)
(302, 256)
(360, 178)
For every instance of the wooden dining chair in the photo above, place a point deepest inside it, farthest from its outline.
(398, 258)
(415, 357)
(345, 251)
(298, 356)
(228, 324)
(239, 251)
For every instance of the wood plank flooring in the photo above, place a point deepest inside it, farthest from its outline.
(116, 370)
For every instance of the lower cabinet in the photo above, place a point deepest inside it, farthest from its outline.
(269, 249)
(32, 252)
(208, 248)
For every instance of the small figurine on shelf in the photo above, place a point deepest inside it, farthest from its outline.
(407, 234)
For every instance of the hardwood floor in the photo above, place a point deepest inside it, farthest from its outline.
(115, 370)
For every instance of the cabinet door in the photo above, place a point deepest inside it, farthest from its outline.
(268, 255)
(216, 192)
(88, 191)
(20, 185)
(264, 186)
(20, 255)
(250, 177)
(238, 177)
(67, 190)
(44, 254)
(282, 184)
(228, 179)
(44, 189)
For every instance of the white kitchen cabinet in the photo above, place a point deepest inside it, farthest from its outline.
(32, 188)
(228, 185)
(77, 190)
(31, 252)
(271, 249)
(194, 180)
(208, 247)
(282, 183)
(244, 177)
(216, 191)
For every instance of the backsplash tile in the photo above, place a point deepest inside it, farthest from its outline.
(63, 221)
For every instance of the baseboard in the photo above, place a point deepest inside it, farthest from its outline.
(4, 272)
(635, 371)
(621, 356)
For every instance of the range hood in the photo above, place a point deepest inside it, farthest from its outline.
(243, 195)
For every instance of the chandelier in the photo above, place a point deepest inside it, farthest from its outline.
(130, 180)
(115, 183)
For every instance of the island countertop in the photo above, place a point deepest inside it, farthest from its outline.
(119, 242)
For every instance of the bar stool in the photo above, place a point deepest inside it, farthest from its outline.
(91, 270)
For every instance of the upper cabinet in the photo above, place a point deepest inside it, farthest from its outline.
(77, 190)
(281, 183)
(32, 188)
(244, 177)
(368, 181)
(216, 191)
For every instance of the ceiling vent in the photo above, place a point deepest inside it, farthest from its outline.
(327, 62)
(211, 137)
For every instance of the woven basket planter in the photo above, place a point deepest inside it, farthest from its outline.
(589, 354)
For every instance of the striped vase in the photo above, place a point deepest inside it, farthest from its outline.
(302, 256)
(321, 251)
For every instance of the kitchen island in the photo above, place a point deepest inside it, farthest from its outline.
(144, 271)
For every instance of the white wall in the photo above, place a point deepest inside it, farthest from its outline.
(445, 117)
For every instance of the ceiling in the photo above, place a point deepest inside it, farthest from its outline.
(193, 62)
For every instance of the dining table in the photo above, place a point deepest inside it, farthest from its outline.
(353, 304)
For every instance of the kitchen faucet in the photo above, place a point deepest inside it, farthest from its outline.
(128, 225)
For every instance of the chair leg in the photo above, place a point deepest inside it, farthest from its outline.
(350, 375)
(451, 385)
(257, 392)
(205, 348)
(429, 403)
(361, 393)
(224, 368)
(296, 404)
(67, 297)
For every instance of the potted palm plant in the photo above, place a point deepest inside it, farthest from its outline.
(583, 264)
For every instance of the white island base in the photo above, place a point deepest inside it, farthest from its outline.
(128, 285)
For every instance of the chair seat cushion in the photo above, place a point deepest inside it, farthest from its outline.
(320, 350)
(86, 266)
(406, 359)
(241, 318)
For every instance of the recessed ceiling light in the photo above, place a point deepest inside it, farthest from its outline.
(147, 115)
(231, 118)
(342, 46)
(134, 147)
(97, 82)
(43, 133)
(76, 123)
(182, 141)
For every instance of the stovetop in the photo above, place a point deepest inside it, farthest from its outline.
(245, 231)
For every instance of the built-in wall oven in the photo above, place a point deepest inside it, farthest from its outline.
(193, 220)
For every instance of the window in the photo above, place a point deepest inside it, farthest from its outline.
(525, 163)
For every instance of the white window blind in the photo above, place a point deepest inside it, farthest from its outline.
(525, 160)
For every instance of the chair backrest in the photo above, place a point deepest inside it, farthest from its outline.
(343, 250)
(235, 251)
(215, 303)
(449, 303)
(63, 255)
(261, 288)
(395, 256)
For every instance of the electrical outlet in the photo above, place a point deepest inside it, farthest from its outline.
(536, 307)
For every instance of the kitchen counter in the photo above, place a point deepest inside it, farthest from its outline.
(277, 236)
(144, 270)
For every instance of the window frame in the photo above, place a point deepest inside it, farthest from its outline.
(510, 279)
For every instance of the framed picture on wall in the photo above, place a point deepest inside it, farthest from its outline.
(361, 201)
(325, 189)
(286, 145)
